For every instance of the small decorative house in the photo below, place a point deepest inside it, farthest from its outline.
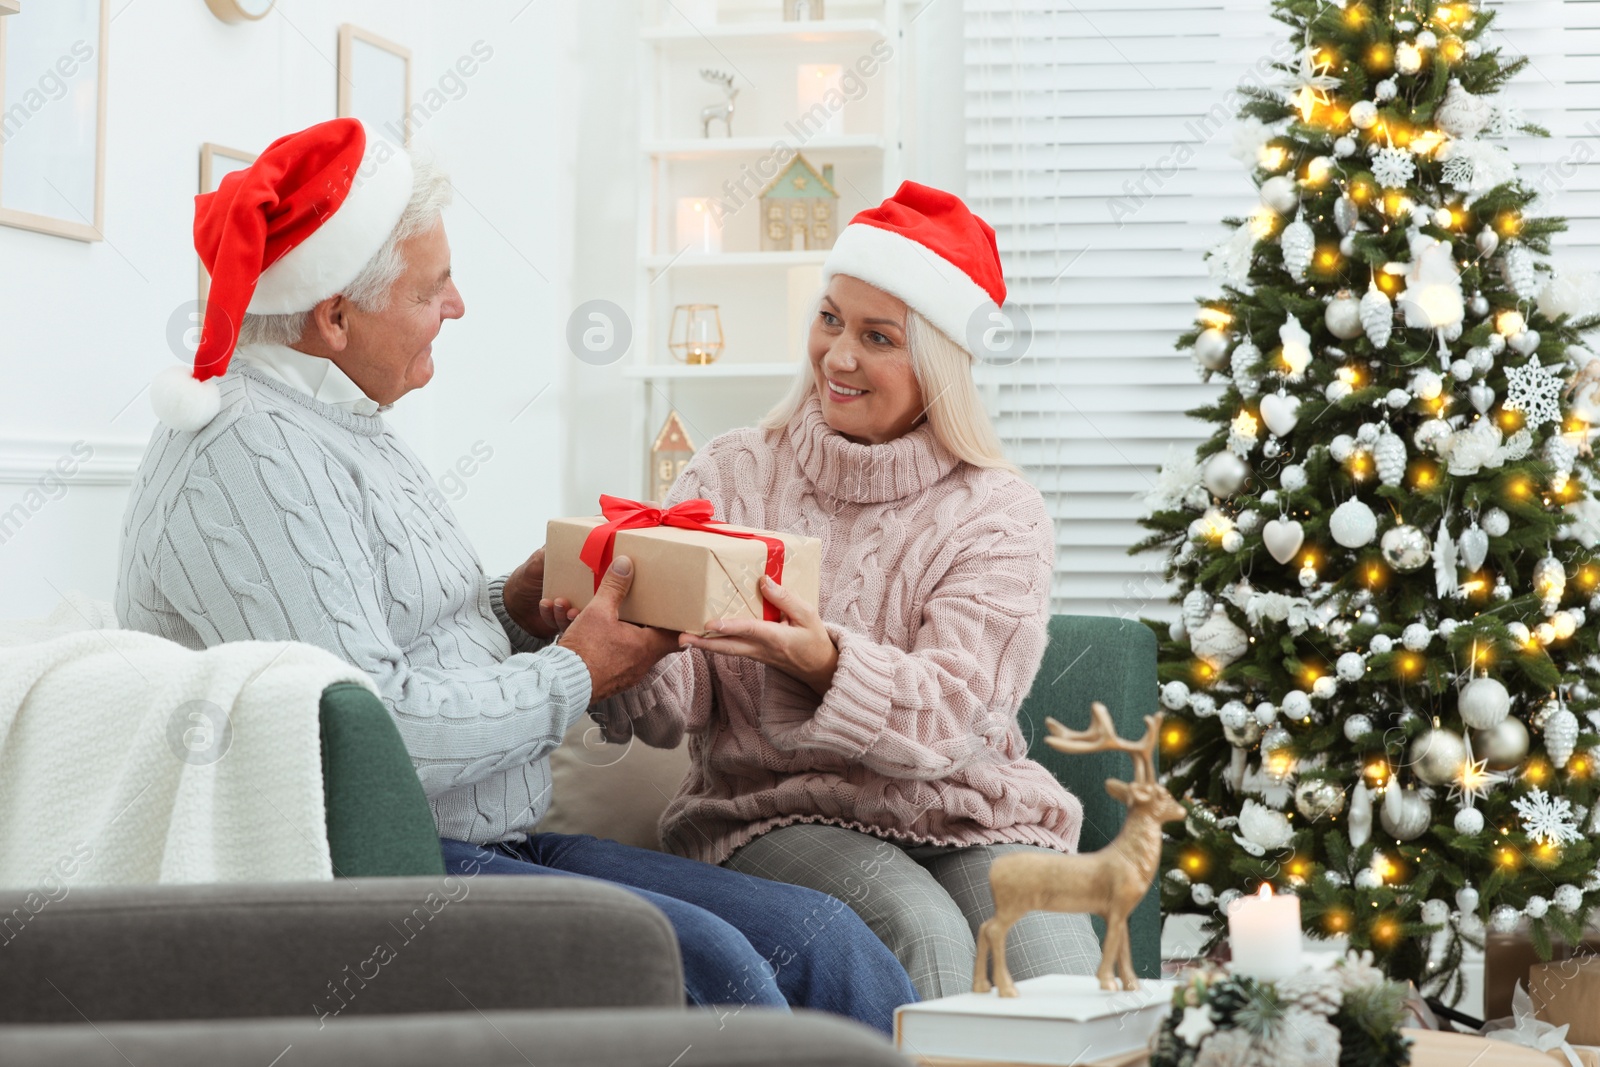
(798, 208)
(668, 456)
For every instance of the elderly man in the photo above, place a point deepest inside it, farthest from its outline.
(276, 504)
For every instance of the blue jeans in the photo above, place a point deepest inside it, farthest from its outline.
(745, 940)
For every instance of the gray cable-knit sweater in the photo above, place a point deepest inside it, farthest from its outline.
(290, 519)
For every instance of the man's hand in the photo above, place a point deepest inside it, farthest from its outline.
(520, 595)
(618, 654)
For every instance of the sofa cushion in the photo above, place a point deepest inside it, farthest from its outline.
(613, 791)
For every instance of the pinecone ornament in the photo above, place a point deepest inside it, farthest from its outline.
(1560, 453)
(1245, 356)
(1516, 267)
(1297, 243)
(1389, 456)
(1560, 736)
(1377, 315)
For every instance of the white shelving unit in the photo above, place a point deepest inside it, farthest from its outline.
(753, 289)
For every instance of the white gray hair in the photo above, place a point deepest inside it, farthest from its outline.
(430, 195)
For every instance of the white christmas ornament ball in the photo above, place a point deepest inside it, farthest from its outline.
(1503, 919)
(1350, 667)
(1386, 89)
(1293, 478)
(1296, 704)
(1356, 727)
(1483, 703)
(1176, 630)
(1201, 893)
(1226, 898)
(1435, 912)
(1343, 316)
(1518, 632)
(1234, 715)
(1397, 398)
(1343, 446)
(1442, 218)
(1204, 705)
(1495, 523)
(1270, 498)
(1448, 627)
(1461, 369)
(1363, 114)
(1337, 390)
(1469, 821)
(1427, 385)
(1367, 878)
(1247, 521)
(1324, 687)
(1265, 713)
(1280, 194)
(1564, 625)
(1223, 474)
(1344, 147)
(1174, 696)
(1232, 541)
(1380, 644)
(1353, 524)
(1416, 637)
(1407, 58)
(1467, 899)
(1568, 897)
(1536, 907)
(1211, 349)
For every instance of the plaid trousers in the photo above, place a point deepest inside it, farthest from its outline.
(925, 901)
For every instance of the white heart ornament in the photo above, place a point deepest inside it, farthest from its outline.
(1283, 538)
(1280, 413)
(1525, 342)
(1482, 397)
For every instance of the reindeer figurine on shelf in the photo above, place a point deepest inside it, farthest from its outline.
(724, 110)
(1108, 883)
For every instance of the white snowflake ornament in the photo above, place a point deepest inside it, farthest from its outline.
(1547, 820)
(1393, 167)
(1535, 391)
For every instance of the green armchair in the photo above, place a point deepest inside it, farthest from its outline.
(1113, 661)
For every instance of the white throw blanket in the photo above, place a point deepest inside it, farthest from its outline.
(126, 758)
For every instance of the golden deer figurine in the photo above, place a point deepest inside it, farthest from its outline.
(1108, 883)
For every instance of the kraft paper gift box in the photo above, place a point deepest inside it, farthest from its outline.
(683, 579)
(1567, 993)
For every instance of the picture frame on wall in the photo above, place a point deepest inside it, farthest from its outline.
(53, 118)
(216, 163)
(375, 83)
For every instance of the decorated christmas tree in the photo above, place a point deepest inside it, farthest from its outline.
(1380, 689)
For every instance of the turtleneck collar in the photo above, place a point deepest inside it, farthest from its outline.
(866, 474)
(320, 379)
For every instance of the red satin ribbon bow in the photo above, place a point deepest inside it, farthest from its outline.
(623, 514)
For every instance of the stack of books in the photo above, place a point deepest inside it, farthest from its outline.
(1058, 1020)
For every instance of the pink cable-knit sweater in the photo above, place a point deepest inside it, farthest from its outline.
(935, 587)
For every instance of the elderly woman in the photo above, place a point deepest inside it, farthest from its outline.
(871, 749)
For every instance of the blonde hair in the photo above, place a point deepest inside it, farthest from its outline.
(944, 372)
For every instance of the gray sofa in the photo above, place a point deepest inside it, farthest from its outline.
(401, 971)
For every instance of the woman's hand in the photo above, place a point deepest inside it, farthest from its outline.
(798, 646)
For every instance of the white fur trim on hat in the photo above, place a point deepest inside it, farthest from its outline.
(331, 257)
(931, 285)
(183, 403)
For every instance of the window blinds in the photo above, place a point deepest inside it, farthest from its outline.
(1098, 136)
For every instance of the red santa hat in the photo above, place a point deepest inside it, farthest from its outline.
(926, 247)
(281, 236)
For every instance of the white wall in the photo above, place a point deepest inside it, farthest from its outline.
(83, 327)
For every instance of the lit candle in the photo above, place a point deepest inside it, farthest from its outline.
(697, 230)
(819, 89)
(1264, 934)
